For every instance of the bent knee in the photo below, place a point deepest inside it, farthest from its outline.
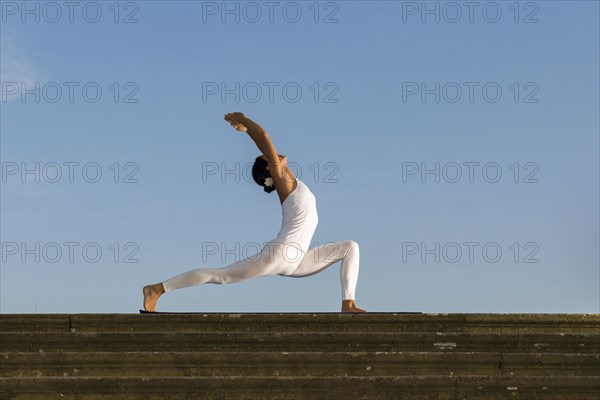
(352, 246)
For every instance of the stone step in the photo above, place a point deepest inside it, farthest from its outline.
(315, 364)
(300, 356)
(303, 322)
(583, 343)
(290, 388)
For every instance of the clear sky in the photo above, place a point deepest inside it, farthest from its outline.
(456, 142)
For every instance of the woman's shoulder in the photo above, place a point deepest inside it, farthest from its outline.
(288, 190)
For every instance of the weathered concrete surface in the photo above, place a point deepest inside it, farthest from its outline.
(298, 364)
(298, 341)
(303, 322)
(300, 356)
(218, 388)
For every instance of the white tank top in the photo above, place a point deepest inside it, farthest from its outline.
(300, 219)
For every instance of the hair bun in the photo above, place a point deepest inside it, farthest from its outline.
(261, 175)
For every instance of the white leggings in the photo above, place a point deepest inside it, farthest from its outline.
(280, 259)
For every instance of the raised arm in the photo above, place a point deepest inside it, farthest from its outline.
(281, 175)
(258, 134)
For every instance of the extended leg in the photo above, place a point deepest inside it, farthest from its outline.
(266, 263)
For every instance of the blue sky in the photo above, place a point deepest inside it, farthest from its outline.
(353, 106)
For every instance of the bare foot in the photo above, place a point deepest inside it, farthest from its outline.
(151, 295)
(348, 306)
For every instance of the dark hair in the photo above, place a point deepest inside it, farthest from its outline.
(260, 173)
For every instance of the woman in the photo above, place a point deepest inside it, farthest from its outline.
(288, 254)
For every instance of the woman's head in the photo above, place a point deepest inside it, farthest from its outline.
(261, 174)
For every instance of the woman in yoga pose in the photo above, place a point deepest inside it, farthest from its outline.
(288, 254)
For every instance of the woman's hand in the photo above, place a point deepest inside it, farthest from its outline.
(237, 120)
